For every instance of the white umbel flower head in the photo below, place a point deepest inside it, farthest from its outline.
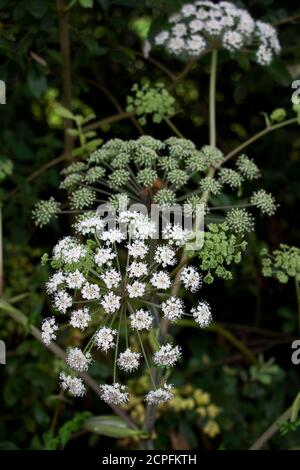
(80, 318)
(137, 269)
(90, 291)
(49, 327)
(89, 225)
(114, 394)
(167, 355)
(73, 385)
(202, 314)
(141, 320)
(173, 308)
(128, 360)
(165, 256)
(161, 280)
(103, 256)
(175, 234)
(104, 338)
(54, 282)
(137, 249)
(112, 236)
(77, 360)
(75, 280)
(136, 289)
(161, 395)
(190, 278)
(62, 301)
(111, 302)
(111, 278)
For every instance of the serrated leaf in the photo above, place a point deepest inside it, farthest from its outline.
(63, 112)
(111, 426)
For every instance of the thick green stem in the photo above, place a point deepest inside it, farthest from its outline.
(174, 128)
(212, 98)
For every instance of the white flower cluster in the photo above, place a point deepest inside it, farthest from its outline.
(203, 25)
(112, 291)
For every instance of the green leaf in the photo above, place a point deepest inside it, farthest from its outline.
(63, 112)
(111, 426)
(36, 8)
(295, 408)
(37, 83)
(86, 3)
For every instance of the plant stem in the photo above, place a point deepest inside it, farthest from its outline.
(117, 347)
(212, 98)
(297, 287)
(173, 127)
(146, 359)
(1, 254)
(258, 136)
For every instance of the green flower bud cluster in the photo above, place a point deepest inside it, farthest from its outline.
(247, 168)
(119, 178)
(45, 211)
(282, 264)
(165, 197)
(239, 221)
(264, 201)
(221, 248)
(278, 115)
(146, 177)
(82, 198)
(211, 184)
(6, 168)
(151, 100)
(230, 177)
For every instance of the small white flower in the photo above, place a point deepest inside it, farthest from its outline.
(55, 281)
(80, 318)
(167, 355)
(196, 25)
(90, 291)
(179, 30)
(111, 302)
(77, 360)
(173, 308)
(142, 228)
(113, 236)
(196, 45)
(188, 9)
(161, 38)
(62, 301)
(129, 360)
(137, 269)
(75, 280)
(69, 250)
(232, 41)
(136, 289)
(161, 395)
(89, 225)
(114, 394)
(137, 249)
(165, 256)
(175, 234)
(140, 320)
(73, 385)
(161, 280)
(176, 44)
(48, 330)
(111, 278)
(190, 278)
(103, 255)
(202, 314)
(104, 338)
